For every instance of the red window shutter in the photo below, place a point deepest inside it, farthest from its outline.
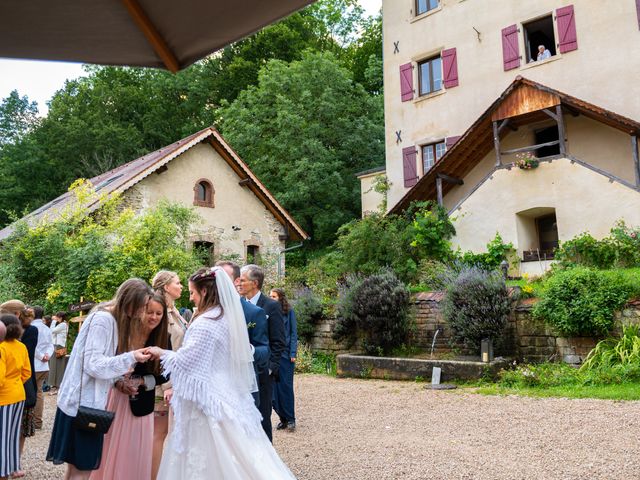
(638, 10)
(566, 29)
(406, 81)
(510, 48)
(409, 166)
(449, 141)
(450, 68)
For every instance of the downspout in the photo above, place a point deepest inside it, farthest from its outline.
(280, 257)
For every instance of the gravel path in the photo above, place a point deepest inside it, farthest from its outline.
(384, 430)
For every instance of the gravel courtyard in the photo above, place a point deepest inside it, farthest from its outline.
(369, 429)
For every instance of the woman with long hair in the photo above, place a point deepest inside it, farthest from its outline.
(217, 431)
(15, 370)
(92, 370)
(283, 398)
(167, 284)
(30, 340)
(127, 451)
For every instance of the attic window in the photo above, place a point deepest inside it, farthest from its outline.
(539, 33)
(203, 193)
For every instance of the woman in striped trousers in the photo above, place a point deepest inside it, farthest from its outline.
(15, 369)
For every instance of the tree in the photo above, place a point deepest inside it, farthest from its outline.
(305, 130)
(18, 116)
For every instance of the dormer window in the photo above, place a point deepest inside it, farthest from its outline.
(203, 193)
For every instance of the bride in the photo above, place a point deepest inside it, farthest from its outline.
(217, 431)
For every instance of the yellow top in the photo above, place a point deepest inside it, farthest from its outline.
(15, 369)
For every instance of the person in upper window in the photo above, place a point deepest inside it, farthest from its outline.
(543, 53)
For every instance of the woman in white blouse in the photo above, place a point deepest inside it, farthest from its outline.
(59, 330)
(92, 370)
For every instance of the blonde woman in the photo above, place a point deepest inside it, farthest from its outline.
(168, 284)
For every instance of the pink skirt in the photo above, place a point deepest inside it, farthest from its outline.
(127, 449)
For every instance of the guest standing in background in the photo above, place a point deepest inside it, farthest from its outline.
(57, 363)
(249, 286)
(15, 370)
(44, 351)
(168, 284)
(128, 446)
(283, 397)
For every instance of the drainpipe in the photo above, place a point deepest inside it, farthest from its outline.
(280, 257)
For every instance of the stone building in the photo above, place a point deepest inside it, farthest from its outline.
(466, 94)
(241, 219)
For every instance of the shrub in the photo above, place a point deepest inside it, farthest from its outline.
(346, 324)
(308, 310)
(541, 375)
(582, 301)
(616, 358)
(377, 310)
(497, 252)
(314, 362)
(432, 274)
(476, 305)
(620, 249)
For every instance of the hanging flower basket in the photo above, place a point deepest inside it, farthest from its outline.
(526, 161)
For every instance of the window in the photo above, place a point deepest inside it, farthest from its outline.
(253, 254)
(546, 135)
(423, 6)
(431, 154)
(430, 74)
(203, 193)
(547, 234)
(205, 251)
(536, 34)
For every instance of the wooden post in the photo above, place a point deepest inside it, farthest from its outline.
(496, 144)
(560, 120)
(636, 160)
(439, 189)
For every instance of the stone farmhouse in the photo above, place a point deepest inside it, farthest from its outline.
(241, 219)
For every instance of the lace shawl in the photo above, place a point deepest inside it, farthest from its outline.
(200, 373)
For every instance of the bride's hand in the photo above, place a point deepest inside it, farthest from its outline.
(154, 352)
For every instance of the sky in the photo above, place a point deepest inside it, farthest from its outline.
(40, 80)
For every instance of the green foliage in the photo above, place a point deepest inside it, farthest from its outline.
(398, 242)
(378, 307)
(476, 305)
(308, 310)
(346, 327)
(83, 254)
(431, 230)
(496, 253)
(616, 357)
(620, 249)
(315, 362)
(311, 113)
(582, 301)
(432, 275)
(542, 375)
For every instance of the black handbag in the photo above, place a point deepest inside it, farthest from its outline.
(91, 419)
(30, 393)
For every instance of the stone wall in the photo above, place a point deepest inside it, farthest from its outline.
(526, 339)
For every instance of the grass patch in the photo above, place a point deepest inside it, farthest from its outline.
(624, 391)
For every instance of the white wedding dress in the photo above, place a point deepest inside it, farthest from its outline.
(217, 432)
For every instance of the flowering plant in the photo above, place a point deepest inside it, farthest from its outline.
(526, 161)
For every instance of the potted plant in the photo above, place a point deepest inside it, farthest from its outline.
(526, 161)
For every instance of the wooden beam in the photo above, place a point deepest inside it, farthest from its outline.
(531, 148)
(439, 190)
(153, 36)
(496, 144)
(450, 179)
(244, 181)
(503, 124)
(560, 120)
(550, 113)
(636, 159)
(571, 110)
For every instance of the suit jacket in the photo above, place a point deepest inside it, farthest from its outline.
(276, 331)
(30, 340)
(258, 329)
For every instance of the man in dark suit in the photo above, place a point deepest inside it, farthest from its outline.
(251, 280)
(257, 327)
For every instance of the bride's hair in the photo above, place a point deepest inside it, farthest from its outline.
(204, 281)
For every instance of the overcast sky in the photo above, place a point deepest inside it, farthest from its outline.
(40, 80)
